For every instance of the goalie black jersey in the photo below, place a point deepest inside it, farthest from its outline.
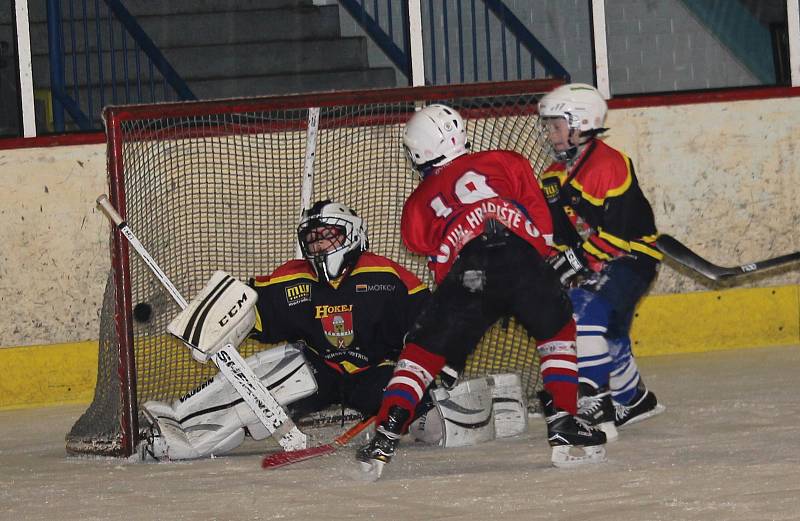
(357, 322)
(603, 202)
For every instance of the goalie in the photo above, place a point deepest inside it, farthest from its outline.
(344, 312)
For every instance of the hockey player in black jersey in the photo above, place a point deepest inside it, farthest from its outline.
(605, 231)
(340, 313)
(350, 307)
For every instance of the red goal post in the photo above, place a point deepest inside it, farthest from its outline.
(221, 184)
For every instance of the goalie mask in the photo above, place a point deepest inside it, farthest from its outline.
(433, 137)
(582, 108)
(332, 237)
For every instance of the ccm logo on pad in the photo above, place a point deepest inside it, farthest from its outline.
(233, 311)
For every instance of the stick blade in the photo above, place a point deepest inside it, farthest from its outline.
(676, 251)
(281, 459)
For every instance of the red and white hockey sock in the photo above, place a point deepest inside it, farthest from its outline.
(559, 368)
(415, 370)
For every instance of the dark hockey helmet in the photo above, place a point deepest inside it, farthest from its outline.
(332, 237)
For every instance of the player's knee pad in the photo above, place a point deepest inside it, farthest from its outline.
(460, 416)
(210, 414)
(509, 405)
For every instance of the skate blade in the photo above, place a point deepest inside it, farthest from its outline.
(569, 456)
(370, 471)
(655, 411)
(610, 431)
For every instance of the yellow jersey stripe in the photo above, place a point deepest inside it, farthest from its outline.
(376, 269)
(258, 326)
(421, 287)
(647, 250)
(286, 278)
(595, 252)
(350, 368)
(614, 240)
(611, 193)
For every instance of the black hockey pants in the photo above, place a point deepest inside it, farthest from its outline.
(496, 275)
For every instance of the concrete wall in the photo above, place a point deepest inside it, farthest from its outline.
(722, 177)
(54, 258)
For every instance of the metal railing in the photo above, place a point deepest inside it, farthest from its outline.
(100, 55)
(487, 42)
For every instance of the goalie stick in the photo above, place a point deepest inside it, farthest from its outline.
(227, 359)
(281, 459)
(681, 254)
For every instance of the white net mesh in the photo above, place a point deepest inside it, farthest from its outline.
(217, 186)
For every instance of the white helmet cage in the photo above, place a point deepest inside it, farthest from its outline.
(333, 263)
(579, 103)
(434, 136)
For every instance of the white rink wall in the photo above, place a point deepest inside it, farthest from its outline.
(723, 177)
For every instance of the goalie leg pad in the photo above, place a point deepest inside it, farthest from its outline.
(168, 441)
(461, 416)
(287, 376)
(509, 405)
(212, 418)
(222, 313)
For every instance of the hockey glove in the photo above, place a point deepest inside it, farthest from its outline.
(568, 264)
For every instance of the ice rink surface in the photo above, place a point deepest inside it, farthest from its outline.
(727, 448)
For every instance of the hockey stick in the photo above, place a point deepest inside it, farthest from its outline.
(227, 359)
(681, 254)
(282, 459)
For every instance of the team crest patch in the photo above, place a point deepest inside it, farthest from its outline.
(297, 293)
(338, 328)
(551, 190)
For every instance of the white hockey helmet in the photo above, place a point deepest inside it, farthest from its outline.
(579, 103)
(434, 136)
(345, 231)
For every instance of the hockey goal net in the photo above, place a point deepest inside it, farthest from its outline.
(221, 185)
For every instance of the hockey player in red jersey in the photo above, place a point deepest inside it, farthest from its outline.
(483, 223)
(605, 231)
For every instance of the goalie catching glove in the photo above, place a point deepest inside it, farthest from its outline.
(223, 313)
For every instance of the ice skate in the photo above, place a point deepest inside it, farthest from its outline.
(644, 405)
(379, 451)
(596, 409)
(574, 443)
